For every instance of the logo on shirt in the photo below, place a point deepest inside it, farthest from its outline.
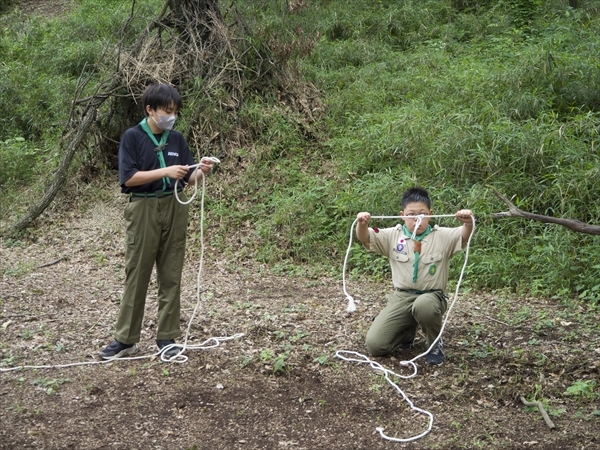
(173, 154)
(400, 246)
(432, 269)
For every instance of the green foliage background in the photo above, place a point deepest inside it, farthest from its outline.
(456, 95)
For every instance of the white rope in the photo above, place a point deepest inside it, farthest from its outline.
(179, 357)
(209, 158)
(362, 359)
(351, 302)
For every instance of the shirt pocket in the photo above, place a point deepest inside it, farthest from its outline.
(400, 257)
(435, 258)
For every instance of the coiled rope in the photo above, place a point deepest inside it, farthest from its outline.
(179, 357)
(362, 359)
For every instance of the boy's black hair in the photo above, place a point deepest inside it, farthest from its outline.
(161, 96)
(414, 195)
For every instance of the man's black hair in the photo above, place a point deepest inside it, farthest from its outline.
(161, 96)
(416, 195)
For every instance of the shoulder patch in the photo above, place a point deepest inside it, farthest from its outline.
(376, 230)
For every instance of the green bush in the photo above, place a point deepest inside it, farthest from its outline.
(460, 96)
(18, 161)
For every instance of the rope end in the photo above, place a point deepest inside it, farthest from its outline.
(351, 305)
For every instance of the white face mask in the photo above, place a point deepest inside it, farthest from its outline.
(165, 122)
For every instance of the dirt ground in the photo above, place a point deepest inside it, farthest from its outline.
(46, 8)
(280, 385)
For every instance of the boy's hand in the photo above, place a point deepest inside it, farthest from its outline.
(363, 218)
(362, 230)
(465, 216)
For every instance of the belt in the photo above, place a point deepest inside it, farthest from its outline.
(160, 193)
(418, 292)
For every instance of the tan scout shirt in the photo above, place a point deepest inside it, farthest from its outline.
(434, 259)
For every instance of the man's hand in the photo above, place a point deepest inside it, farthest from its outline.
(176, 172)
(362, 228)
(206, 166)
(466, 217)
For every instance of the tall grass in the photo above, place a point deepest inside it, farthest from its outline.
(459, 96)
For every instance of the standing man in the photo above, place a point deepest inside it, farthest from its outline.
(152, 156)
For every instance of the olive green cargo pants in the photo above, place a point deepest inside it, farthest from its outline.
(156, 230)
(397, 323)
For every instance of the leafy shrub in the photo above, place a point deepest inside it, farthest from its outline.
(18, 162)
(460, 96)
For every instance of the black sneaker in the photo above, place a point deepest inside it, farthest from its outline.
(436, 355)
(117, 350)
(171, 351)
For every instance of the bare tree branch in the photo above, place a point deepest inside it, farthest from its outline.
(572, 224)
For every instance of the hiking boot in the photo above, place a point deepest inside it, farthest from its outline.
(406, 345)
(117, 350)
(171, 351)
(436, 355)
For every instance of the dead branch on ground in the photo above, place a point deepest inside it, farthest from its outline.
(542, 410)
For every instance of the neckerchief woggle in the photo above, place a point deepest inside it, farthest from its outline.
(417, 247)
(159, 148)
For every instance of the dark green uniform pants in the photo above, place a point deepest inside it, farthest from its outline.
(397, 323)
(156, 232)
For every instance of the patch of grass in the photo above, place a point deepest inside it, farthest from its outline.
(19, 270)
(27, 334)
(50, 386)
(583, 389)
(280, 365)
(323, 360)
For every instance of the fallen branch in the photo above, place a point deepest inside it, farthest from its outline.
(572, 224)
(53, 262)
(542, 411)
(496, 320)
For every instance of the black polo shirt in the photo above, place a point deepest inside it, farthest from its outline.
(136, 153)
